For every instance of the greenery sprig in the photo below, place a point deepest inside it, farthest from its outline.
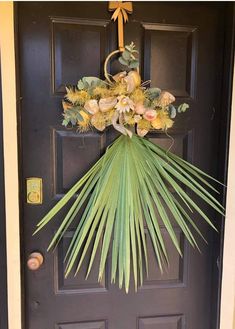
(128, 57)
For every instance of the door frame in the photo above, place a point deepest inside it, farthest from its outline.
(11, 177)
(227, 300)
(3, 260)
(8, 42)
(222, 264)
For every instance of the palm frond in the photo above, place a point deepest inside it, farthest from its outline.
(126, 191)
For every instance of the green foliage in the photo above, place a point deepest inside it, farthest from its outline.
(172, 111)
(153, 93)
(72, 116)
(128, 186)
(128, 57)
(87, 83)
(183, 107)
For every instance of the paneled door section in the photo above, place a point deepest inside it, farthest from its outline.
(181, 51)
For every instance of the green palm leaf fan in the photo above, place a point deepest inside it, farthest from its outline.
(135, 184)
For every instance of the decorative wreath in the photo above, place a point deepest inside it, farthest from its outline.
(127, 189)
(122, 101)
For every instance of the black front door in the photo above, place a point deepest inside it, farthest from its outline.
(181, 50)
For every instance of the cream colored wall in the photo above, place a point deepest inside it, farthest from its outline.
(10, 163)
(228, 278)
(11, 187)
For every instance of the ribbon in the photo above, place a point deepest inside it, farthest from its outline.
(120, 127)
(120, 12)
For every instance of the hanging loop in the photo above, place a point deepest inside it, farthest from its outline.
(106, 74)
(120, 12)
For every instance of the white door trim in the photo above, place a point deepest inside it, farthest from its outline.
(8, 76)
(227, 312)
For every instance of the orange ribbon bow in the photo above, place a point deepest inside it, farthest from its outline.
(120, 11)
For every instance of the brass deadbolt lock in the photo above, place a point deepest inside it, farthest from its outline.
(34, 190)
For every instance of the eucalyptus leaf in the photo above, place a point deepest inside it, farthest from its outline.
(153, 93)
(147, 102)
(172, 111)
(87, 82)
(126, 55)
(80, 117)
(123, 61)
(65, 123)
(134, 64)
(129, 48)
(73, 121)
(80, 85)
(182, 108)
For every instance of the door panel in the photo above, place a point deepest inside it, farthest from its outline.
(73, 42)
(180, 51)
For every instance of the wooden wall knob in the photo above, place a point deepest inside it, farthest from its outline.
(35, 261)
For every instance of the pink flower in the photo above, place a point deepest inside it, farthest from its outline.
(150, 115)
(139, 108)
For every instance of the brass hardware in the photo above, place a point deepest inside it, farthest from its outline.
(35, 260)
(34, 190)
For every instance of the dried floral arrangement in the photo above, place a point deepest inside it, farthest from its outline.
(122, 102)
(128, 187)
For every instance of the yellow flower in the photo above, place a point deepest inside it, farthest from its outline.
(101, 92)
(138, 96)
(118, 88)
(162, 121)
(108, 117)
(143, 127)
(66, 106)
(77, 96)
(85, 124)
(142, 132)
(129, 119)
(144, 124)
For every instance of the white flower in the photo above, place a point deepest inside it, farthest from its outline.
(91, 106)
(124, 104)
(107, 104)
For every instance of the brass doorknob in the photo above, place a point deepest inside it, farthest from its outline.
(35, 261)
